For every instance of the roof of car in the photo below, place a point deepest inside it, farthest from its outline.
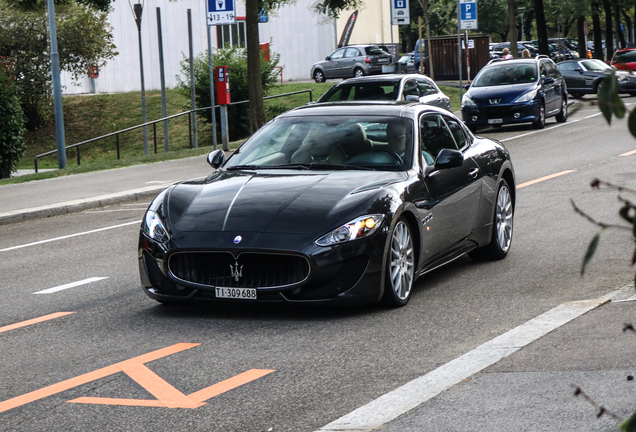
(375, 108)
(380, 78)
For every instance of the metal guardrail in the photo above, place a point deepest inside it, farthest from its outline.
(154, 127)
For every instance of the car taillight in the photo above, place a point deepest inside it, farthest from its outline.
(367, 59)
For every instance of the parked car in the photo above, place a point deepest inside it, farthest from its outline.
(519, 90)
(331, 203)
(407, 63)
(585, 76)
(557, 53)
(411, 87)
(351, 61)
(624, 59)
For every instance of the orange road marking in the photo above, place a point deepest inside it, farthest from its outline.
(91, 376)
(34, 321)
(628, 153)
(548, 177)
(166, 395)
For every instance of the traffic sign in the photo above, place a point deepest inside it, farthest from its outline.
(468, 15)
(221, 12)
(400, 12)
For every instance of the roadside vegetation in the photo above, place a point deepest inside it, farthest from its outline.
(91, 116)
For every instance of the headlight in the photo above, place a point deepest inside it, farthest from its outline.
(361, 227)
(467, 101)
(152, 226)
(527, 96)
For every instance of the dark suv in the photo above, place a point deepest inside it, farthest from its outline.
(519, 90)
(351, 61)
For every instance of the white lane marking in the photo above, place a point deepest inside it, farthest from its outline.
(550, 128)
(68, 236)
(405, 398)
(70, 285)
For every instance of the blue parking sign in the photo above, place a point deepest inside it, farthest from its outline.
(221, 12)
(468, 14)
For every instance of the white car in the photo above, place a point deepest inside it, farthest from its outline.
(408, 87)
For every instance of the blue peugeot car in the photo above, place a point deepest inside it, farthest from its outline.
(520, 90)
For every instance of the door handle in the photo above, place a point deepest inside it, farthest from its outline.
(474, 172)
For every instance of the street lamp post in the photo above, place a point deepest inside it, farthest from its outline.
(137, 11)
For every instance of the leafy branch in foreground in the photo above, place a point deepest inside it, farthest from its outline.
(610, 103)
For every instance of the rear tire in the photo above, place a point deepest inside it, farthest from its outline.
(562, 116)
(502, 225)
(357, 73)
(400, 266)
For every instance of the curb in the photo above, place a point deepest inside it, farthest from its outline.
(77, 206)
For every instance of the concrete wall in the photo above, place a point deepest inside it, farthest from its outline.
(299, 35)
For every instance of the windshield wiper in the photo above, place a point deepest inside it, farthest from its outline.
(316, 166)
(243, 167)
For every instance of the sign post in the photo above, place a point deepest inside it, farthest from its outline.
(467, 20)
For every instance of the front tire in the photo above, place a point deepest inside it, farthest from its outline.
(501, 237)
(540, 124)
(357, 73)
(319, 76)
(400, 266)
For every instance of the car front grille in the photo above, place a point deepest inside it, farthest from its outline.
(499, 111)
(249, 270)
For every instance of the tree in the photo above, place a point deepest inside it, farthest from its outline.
(512, 26)
(12, 146)
(542, 29)
(84, 40)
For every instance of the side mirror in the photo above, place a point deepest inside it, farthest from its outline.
(579, 70)
(328, 58)
(466, 86)
(448, 158)
(412, 98)
(216, 158)
(548, 81)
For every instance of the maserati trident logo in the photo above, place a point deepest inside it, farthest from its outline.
(237, 239)
(236, 271)
(494, 101)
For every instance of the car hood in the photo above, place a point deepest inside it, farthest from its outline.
(507, 93)
(275, 202)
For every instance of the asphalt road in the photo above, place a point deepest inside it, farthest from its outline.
(284, 368)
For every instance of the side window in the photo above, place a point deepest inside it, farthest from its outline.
(337, 55)
(457, 132)
(434, 136)
(426, 88)
(544, 73)
(352, 52)
(553, 71)
(410, 89)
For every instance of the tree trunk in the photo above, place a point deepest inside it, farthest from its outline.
(581, 37)
(542, 30)
(512, 25)
(609, 32)
(628, 22)
(255, 83)
(527, 26)
(598, 32)
(620, 39)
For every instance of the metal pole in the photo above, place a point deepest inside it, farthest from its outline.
(211, 71)
(459, 48)
(192, 83)
(57, 90)
(138, 10)
(224, 131)
(166, 139)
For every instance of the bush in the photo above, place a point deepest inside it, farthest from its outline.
(236, 59)
(12, 130)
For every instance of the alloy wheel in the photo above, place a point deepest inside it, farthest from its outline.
(401, 265)
(503, 219)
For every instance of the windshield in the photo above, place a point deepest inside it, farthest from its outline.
(329, 142)
(379, 90)
(625, 57)
(596, 65)
(505, 74)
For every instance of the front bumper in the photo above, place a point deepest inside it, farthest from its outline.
(347, 273)
(504, 114)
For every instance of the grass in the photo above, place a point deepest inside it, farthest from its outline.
(91, 116)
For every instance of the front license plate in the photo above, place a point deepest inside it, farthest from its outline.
(236, 293)
(495, 121)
